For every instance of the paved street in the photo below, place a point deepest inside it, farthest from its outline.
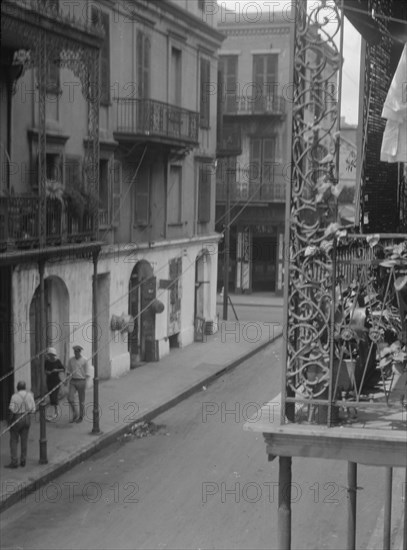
(199, 482)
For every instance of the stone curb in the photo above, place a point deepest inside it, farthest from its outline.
(52, 472)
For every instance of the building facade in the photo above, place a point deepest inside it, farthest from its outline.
(255, 68)
(108, 152)
(257, 99)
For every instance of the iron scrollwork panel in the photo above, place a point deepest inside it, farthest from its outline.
(313, 215)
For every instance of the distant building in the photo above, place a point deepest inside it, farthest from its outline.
(257, 104)
(347, 171)
(255, 66)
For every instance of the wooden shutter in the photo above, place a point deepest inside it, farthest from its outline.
(204, 194)
(229, 67)
(116, 191)
(142, 198)
(255, 160)
(272, 69)
(268, 160)
(174, 195)
(143, 65)
(146, 67)
(205, 93)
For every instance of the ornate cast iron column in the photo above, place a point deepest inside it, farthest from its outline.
(92, 92)
(309, 277)
(41, 62)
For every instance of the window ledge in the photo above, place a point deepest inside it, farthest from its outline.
(137, 225)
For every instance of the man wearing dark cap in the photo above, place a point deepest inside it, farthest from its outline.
(22, 405)
(78, 369)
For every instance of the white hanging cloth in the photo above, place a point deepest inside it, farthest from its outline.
(394, 145)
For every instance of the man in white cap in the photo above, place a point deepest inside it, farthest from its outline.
(53, 368)
(78, 369)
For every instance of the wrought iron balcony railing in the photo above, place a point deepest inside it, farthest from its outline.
(355, 356)
(72, 17)
(20, 228)
(248, 105)
(147, 117)
(252, 192)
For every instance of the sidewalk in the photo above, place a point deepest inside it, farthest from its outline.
(262, 299)
(142, 394)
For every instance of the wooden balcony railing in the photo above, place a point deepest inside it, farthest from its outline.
(261, 105)
(19, 224)
(147, 117)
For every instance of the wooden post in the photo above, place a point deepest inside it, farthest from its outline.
(387, 509)
(43, 345)
(96, 419)
(284, 503)
(226, 247)
(352, 488)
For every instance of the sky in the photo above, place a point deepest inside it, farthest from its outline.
(351, 50)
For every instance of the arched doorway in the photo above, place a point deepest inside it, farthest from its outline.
(56, 298)
(142, 291)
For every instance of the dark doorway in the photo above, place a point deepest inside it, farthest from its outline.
(264, 255)
(142, 292)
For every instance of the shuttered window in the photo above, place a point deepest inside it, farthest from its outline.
(228, 67)
(204, 193)
(174, 195)
(99, 17)
(117, 191)
(265, 78)
(205, 79)
(262, 160)
(143, 56)
(142, 199)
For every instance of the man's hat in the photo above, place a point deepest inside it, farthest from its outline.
(52, 351)
(80, 348)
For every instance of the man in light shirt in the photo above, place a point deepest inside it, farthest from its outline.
(22, 405)
(78, 369)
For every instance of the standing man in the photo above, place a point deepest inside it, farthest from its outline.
(53, 369)
(78, 369)
(22, 405)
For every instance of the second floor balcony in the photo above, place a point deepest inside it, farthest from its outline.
(251, 192)
(20, 226)
(250, 185)
(147, 119)
(245, 105)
